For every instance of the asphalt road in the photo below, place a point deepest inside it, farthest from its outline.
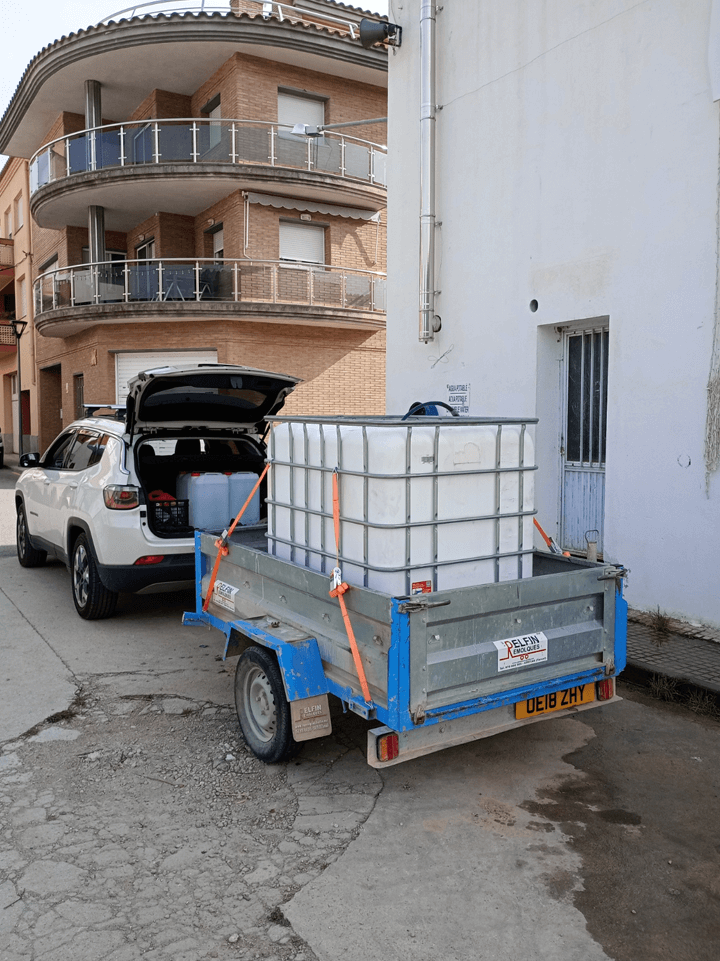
(136, 825)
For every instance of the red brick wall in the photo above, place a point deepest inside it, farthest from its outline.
(343, 371)
(163, 103)
(173, 235)
(248, 88)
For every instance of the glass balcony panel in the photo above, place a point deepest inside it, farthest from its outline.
(39, 172)
(107, 148)
(178, 281)
(140, 144)
(144, 281)
(176, 142)
(291, 151)
(357, 161)
(327, 288)
(252, 144)
(255, 283)
(328, 155)
(215, 142)
(63, 291)
(380, 293)
(44, 294)
(358, 291)
(293, 284)
(82, 286)
(380, 167)
(217, 282)
(111, 283)
(58, 166)
(79, 155)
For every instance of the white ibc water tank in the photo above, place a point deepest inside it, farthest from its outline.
(424, 504)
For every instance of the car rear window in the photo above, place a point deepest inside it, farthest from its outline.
(86, 451)
(220, 396)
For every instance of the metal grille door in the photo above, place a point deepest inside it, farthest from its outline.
(584, 438)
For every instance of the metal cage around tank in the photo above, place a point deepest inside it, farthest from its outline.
(305, 452)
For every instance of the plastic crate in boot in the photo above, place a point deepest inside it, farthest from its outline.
(171, 515)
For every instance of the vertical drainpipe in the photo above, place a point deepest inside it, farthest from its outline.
(96, 215)
(429, 322)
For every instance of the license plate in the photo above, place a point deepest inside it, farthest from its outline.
(557, 701)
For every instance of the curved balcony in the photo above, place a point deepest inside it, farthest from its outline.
(71, 299)
(151, 159)
(267, 8)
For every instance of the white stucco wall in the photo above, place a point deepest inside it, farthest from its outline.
(577, 165)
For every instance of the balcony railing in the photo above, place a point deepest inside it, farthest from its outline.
(7, 252)
(267, 8)
(236, 281)
(193, 141)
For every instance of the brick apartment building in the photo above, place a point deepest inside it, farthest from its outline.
(16, 304)
(177, 218)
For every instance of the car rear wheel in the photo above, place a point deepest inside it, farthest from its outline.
(27, 554)
(93, 600)
(262, 708)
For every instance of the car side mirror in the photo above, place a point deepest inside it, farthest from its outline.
(30, 460)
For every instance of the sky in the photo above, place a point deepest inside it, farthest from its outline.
(27, 28)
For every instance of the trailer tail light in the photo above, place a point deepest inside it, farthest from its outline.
(150, 559)
(388, 747)
(119, 498)
(606, 689)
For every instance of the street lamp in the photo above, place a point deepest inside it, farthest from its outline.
(308, 130)
(18, 328)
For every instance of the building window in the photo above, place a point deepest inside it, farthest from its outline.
(21, 299)
(294, 109)
(302, 243)
(7, 224)
(19, 213)
(218, 245)
(110, 255)
(145, 250)
(79, 391)
(213, 112)
(52, 263)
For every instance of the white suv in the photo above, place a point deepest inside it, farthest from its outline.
(104, 497)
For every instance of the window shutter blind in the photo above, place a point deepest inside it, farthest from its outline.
(128, 365)
(292, 110)
(302, 242)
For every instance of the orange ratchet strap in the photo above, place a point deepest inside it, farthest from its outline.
(221, 542)
(339, 587)
(549, 541)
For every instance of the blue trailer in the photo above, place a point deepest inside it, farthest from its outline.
(441, 669)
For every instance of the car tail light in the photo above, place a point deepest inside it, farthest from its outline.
(150, 559)
(606, 689)
(388, 747)
(119, 498)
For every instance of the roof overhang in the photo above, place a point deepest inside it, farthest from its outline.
(177, 52)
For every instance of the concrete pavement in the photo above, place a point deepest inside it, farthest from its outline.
(139, 827)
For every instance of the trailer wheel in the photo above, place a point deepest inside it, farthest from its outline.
(262, 708)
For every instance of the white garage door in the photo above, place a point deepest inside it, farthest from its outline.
(128, 365)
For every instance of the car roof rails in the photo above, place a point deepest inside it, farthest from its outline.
(117, 410)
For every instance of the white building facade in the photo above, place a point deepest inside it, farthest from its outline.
(577, 264)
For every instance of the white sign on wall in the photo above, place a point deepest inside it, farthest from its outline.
(458, 396)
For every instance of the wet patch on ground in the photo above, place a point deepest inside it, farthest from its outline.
(650, 883)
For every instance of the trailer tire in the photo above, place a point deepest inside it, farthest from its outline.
(262, 708)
